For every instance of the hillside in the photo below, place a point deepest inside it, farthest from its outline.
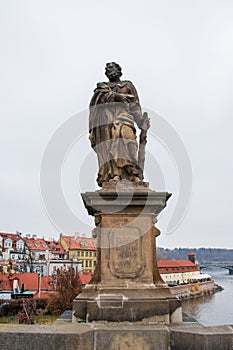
(202, 254)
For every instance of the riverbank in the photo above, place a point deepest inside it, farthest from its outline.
(193, 290)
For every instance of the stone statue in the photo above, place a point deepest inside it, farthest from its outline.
(114, 109)
(126, 285)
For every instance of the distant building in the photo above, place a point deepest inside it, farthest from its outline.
(33, 254)
(191, 257)
(11, 251)
(178, 271)
(39, 286)
(62, 265)
(81, 248)
(85, 278)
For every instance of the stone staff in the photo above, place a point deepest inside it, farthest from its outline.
(142, 144)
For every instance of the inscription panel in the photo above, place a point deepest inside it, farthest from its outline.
(126, 259)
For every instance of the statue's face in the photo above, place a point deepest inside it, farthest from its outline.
(112, 72)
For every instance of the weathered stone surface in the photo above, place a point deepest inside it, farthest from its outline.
(126, 285)
(132, 337)
(195, 336)
(114, 109)
(133, 310)
(134, 198)
(112, 336)
(56, 337)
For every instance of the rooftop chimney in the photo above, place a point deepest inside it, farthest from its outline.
(76, 235)
(191, 257)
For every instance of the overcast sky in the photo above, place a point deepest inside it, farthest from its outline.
(178, 54)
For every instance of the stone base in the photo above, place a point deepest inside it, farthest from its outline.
(126, 285)
(155, 305)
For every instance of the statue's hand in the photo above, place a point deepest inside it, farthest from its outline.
(123, 98)
(118, 98)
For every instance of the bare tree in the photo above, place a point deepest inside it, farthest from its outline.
(68, 286)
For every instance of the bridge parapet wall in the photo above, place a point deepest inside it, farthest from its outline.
(62, 336)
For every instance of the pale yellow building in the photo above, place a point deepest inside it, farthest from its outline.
(81, 248)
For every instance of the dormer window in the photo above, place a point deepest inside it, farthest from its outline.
(83, 244)
(19, 245)
(8, 243)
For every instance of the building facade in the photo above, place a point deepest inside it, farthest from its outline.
(80, 248)
(32, 254)
(175, 272)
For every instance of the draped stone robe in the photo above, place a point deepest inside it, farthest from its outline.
(114, 108)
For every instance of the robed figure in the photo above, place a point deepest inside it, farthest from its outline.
(114, 110)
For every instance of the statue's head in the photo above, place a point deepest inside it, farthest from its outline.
(113, 71)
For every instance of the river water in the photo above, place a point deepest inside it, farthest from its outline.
(216, 309)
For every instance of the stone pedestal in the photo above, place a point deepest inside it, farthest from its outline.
(126, 285)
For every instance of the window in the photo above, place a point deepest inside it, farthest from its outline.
(90, 253)
(8, 244)
(86, 263)
(79, 253)
(82, 253)
(83, 244)
(86, 253)
(94, 263)
(19, 245)
(94, 253)
(90, 263)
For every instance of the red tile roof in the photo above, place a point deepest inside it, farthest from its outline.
(46, 283)
(172, 266)
(175, 263)
(55, 247)
(36, 243)
(12, 236)
(84, 243)
(85, 279)
(30, 280)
